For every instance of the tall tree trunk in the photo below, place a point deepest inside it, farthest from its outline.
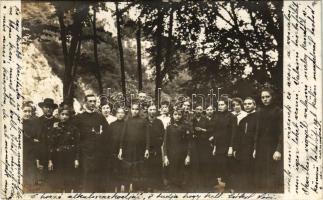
(65, 52)
(122, 67)
(69, 55)
(138, 37)
(95, 50)
(159, 31)
(74, 68)
(76, 29)
(77, 59)
(169, 45)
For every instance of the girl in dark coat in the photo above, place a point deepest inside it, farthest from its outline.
(224, 128)
(268, 146)
(134, 147)
(203, 151)
(29, 140)
(64, 152)
(177, 149)
(243, 148)
(116, 129)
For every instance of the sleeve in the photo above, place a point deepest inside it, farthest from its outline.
(106, 126)
(193, 125)
(189, 139)
(214, 130)
(233, 129)
(255, 139)
(123, 134)
(236, 138)
(36, 130)
(106, 132)
(51, 142)
(161, 134)
(77, 143)
(166, 142)
(214, 134)
(147, 136)
(279, 147)
(211, 131)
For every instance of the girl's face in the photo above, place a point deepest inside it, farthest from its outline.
(198, 110)
(120, 114)
(152, 111)
(27, 112)
(164, 109)
(236, 106)
(266, 98)
(222, 106)
(209, 111)
(186, 106)
(177, 116)
(64, 115)
(135, 110)
(106, 110)
(249, 105)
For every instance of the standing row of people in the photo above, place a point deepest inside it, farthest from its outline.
(181, 150)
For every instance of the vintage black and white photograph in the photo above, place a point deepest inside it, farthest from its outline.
(163, 96)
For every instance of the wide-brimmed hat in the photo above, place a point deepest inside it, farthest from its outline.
(48, 102)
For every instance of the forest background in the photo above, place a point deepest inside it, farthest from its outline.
(182, 47)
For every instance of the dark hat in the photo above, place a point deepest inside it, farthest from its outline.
(48, 102)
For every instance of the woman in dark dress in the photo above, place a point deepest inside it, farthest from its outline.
(134, 148)
(203, 151)
(29, 140)
(116, 128)
(224, 129)
(64, 152)
(269, 145)
(208, 167)
(243, 148)
(177, 150)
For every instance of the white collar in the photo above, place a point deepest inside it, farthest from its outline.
(87, 110)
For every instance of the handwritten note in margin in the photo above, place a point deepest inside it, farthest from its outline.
(11, 100)
(302, 99)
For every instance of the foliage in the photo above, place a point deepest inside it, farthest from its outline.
(195, 46)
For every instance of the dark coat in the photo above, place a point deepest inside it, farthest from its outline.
(65, 138)
(177, 142)
(201, 147)
(268, 139)
(154, 163)
(156, 133)
(202, 161)
(134, 139)
(244, 139)
(29, 153)
(225, 124)
(210, 127)
(243, 146)
(28, 140)
(93, 128)
(64, 150)
(202, 123)
(43, 126)
(116, 129)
